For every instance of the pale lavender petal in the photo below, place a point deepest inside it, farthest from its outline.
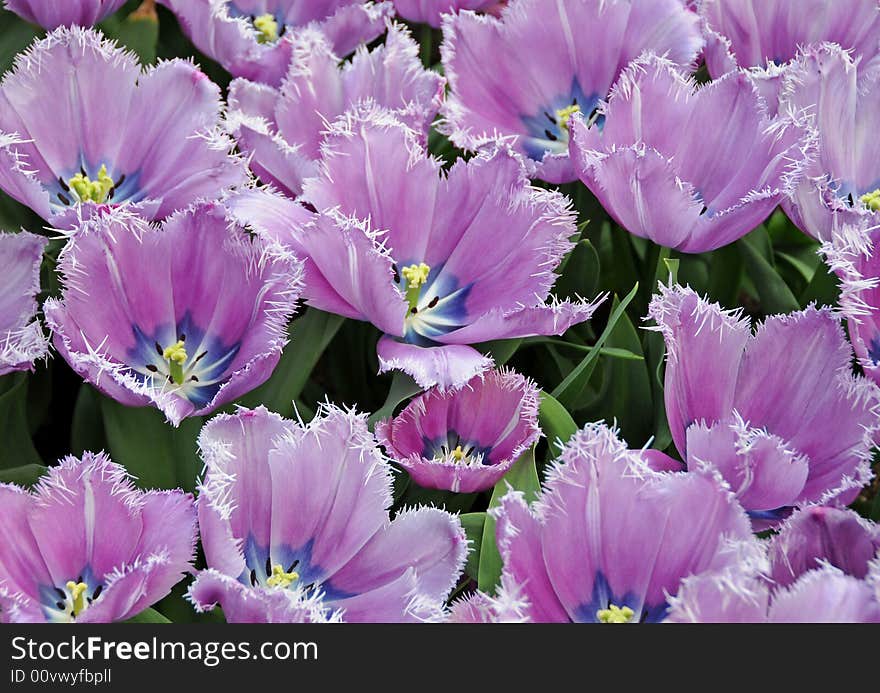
(825, 595)
(447, 366)
(21, 337)
(51, 15)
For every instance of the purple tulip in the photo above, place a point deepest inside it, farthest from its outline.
(822, 595)
(282, 129)
(523, 76)
(87, 546)
(691, 168)
(80, 123)
(609, 540)
(841, 97)
(753, 33)
(783, 432)
(50, 14)
(255, 39)
(21, 338)
(816, 536)
(432, 11)
(452, 259)
(186, 316)
(464, 440)
(302, 511)
(508, 605)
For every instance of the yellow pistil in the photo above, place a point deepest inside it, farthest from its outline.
(615, 614)
(416, 277)
(87, 189)
(458, 453)
(279, 578)
(563, 115)
(77, 593)
(871, 200)
(267, 28)
(176, 357)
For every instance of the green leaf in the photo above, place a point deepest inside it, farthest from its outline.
(310, 334)
(16, 446)
(523, 476)
(570, 389)
(402, 388)
(501, 350)
(555, 422)
(473, 524)
(774, 293)
(725, 276)
(823, 288)
(87, 427)
(17, 35)
(153, 451)
(148, 616)
(579, 273)
(139, 31)
(26, 475)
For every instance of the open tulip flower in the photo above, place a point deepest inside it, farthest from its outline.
(255, 38)
(295, 525)
(690, 189)
(21, 337)
(609, 539)
(782, 433)
(524, 75)
(87, 546)
(80, 124)
(465, 440)
(193, 313)
(281, 129)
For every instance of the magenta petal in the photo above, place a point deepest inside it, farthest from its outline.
(442, 366)
(21, 337)
(818, 535)
(242, 604)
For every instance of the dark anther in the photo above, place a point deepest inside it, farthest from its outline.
(396, 274)
(193, 379)
(97, 592)
(852, 202)
(200, 356)
(60, 605)
(159, 349)
(704, 210)
(83, 172)
(170, 380)
(293, 565)
(111, 193)
(574, 101)
(120, 181)
(550, 136)
(550, 118)
(434, 301)
(152, 368)
(182, 337)
(64, 199)
(79, 578)
(61, 593)
(268, 565)
(63, 184)
(413, 310)
(253, 578)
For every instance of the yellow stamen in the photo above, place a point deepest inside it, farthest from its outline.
(416, 277)
(87, 189)
(458, 453)
(176, 357)
(871, 200)
(77, 593)
(615, 614)
(563, 115)
(267, 28)
(279, 578)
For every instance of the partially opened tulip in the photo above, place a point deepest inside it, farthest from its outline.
(80, 124)
(86, 546)
(21, 337)
(523, 76)
(783, 432)
(291, 512)
(191, 314)
(464, 440)
(282, 129)
(255, 39)
(609, 540)
(691, 168)
(841, 97)
(50, 14)
(447, 259)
